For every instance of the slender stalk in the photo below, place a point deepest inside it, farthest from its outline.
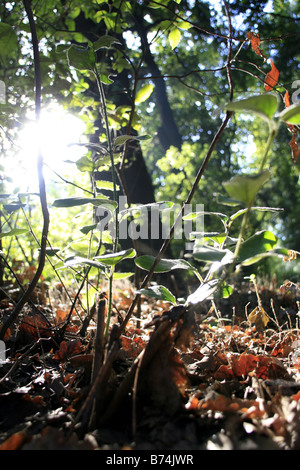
(200, 173)
(273, 128)
(114, 178)
(42, 185)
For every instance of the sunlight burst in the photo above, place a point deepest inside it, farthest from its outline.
(55, 132)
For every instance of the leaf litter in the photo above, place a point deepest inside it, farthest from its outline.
(203, 378)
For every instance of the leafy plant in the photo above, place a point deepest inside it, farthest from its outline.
(216, 257)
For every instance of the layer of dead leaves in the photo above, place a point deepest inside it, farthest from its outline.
(181, 380)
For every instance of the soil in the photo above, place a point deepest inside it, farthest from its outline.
(221, 376)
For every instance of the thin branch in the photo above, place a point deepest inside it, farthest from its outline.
(228, 65)
(42, 185)
(200, 173)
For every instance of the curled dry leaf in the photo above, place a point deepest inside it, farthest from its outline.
(271, 77)
(36, 326)
(287, 99)
(15, 441)
(294, 144)
(259, 317)
(67, 349)
(249, 408)
(255, 43)
(264, 368)
(294, 131)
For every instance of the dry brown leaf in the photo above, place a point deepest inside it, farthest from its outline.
(36, 326)
(271, 77)
(245, 364)
(259, 317)
(15, 441)
(255, 43)
(68, 348)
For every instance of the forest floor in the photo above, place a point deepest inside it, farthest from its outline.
(223, 377)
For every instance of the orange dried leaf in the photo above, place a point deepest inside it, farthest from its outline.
(294, 146)
(287, 99)
(296, 396)
(37, 400)
(61, 315)
(255, 43)
(271, 77)
(36, 326)
(68, 348)
(264, 368)
(15, 441)
(250, 408)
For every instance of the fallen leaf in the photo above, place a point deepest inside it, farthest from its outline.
(36, 326)
(296, 397)
(15, 441)
(259, 317)
(68, 348)
(271, 77)
(133, 346)
(38, 400)
(249, 408)
(264, 367)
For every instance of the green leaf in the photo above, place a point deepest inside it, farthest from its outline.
(160, 206)
(81, 58)
(105, 42)
(160, 293)
(108, 185)
(117, 276)
(264, 105)
(245, 187)
(174, 37)
(13, 232)
(10, 208)
(211, 254)
(79, 201)
(165, 265)
(144, 93)
(8, 41)
(226, 291)
(195, 215)
(51, 251)
(75, 260)
(114, 258)
(122, 139)
(85, 164)
(105, 78)
(161, 3)
(184, 24)
(226, 201)
(88, 228)
(204, 291)
(259, 209)
(291, 114)
(256, 247)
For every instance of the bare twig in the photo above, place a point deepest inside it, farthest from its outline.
(148, 277)
(42, 185)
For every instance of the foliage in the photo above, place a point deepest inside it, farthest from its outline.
(83, 58)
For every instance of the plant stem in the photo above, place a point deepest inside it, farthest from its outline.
(164, 246)
(272, 134)
(42, 185)
(273, 128)
(114, 178)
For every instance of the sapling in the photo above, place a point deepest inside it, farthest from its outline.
(243, 190)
